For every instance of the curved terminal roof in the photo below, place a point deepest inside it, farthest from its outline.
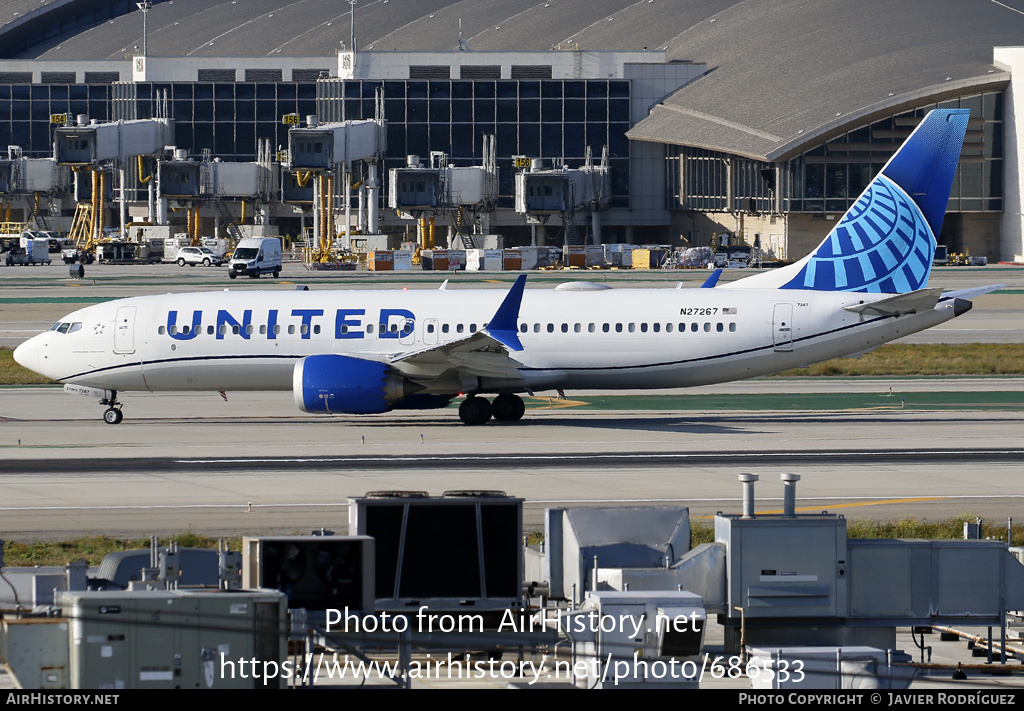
(781, 73)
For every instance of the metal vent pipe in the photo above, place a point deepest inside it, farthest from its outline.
(789, 494)
(748, 494)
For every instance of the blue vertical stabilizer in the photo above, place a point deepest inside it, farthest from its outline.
(885, 242)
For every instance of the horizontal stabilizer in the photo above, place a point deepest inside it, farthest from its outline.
(972, 293)
(913, 302)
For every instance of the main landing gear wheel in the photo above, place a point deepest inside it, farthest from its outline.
(112, 415)
(475, 411)
(508, 408)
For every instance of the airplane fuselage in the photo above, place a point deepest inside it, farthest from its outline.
(601, 339)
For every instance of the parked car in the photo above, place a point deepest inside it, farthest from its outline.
(198, 255)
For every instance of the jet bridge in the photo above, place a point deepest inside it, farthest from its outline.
(96, 148)
(446, 190)
(192, 184)
(542, 192)
(331, 155)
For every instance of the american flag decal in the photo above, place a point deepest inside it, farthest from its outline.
(729, 312)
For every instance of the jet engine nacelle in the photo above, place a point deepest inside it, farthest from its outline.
(337, 384)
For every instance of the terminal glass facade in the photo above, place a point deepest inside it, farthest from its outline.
(831, 176)
(551, 119)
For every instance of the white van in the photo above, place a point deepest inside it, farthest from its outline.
(255, 256)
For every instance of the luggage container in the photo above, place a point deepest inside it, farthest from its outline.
(380, 260)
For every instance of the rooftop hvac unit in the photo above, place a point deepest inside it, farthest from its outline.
(457, 551)
(315, 572)
(175, 639)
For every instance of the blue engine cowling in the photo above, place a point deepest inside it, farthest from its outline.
(337, 384)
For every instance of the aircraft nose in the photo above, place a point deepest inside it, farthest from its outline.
(27, 354)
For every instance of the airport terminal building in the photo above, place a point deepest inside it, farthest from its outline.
(761, 120)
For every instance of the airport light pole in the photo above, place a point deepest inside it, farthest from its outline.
(352, 31)
(145, 5)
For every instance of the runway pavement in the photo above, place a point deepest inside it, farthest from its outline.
(195, 461)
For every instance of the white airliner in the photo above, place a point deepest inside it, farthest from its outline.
(357, 352)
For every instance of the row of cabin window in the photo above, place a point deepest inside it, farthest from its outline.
(631, 327)
(303, 329)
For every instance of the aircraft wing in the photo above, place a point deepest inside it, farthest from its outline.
(476, 355)
(486, 353)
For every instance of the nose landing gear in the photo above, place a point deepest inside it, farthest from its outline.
(112, 415)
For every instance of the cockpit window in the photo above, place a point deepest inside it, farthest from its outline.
(63, 328)
(77, 326)
(66, 327)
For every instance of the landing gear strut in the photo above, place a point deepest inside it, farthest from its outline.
(112, 415)
(476, 410)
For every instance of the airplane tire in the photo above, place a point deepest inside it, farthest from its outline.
(508, 408)
(475, 411)
(112, 416)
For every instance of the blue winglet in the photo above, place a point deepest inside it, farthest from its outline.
(710, 282)
(504, 325)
